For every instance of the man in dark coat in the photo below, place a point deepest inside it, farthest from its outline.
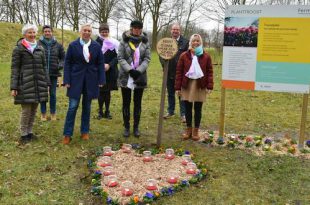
(182, 46)
(83, 75)
(55, 54)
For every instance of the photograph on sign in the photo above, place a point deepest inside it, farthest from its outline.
(264, 48)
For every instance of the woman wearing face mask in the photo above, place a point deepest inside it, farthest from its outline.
(29, 79)
(134, 55)
(194, 80)
(83, 75)
(109, 47)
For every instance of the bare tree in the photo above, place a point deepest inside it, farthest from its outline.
(134, 9)
(193, 5)
(162, 15)
(73, 12)
(100, 10)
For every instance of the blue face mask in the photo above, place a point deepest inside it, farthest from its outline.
(198, 50)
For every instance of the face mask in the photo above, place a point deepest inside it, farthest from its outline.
(198, 50)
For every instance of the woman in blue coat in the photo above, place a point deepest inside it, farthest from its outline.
(83, 75)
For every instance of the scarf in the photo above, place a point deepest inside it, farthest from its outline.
(194, 71)
(86, 49)
(28, 45)
(134, 64)
(108, 44)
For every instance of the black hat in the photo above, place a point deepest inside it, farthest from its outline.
(136, 24)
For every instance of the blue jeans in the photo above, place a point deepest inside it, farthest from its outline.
(171, 99)
(70, 118)
(52, 92)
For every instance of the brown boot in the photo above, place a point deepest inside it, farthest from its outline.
(66, 140)
(187, 133)
(85, 136)
(195, 136)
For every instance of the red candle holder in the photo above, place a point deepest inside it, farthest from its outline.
(111, 181)
(127, 148)
(127, 188)
(151, 184)
(105, 162)
(191, 168)
(107, 171)
(169, 154)
(147, 156)
(186, 158)
(107, 151)
(173, 177)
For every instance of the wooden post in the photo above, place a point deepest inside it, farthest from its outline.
(222, 112)
(303, 121)
(162, 103)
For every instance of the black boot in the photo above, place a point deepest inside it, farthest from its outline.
(24, 139)
(126, 118)
(126, 132)
(136, 132)
(100, 115)
(32, 137)
(107, 115)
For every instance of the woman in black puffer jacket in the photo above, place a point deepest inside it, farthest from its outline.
(29, 79)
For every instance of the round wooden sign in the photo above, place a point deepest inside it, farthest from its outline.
(167, 48)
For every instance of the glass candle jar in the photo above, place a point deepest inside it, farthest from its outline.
(127, 188)
(186, 158)
(111, 181)
(107, 151)
(172, 177)
(191, 168)
(126, 148)
(151, 184)
(147, 156)
(105, 161)
(169, 154)
(107, 171)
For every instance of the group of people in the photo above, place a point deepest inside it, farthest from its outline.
(94, 68)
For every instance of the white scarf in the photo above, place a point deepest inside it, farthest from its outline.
(195, 71)
(86, 50)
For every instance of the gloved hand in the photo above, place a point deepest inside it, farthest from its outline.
(135, 74)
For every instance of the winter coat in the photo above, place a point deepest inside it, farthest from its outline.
(125, 58)
(28, 75)
(55, 55)
(182, 47)
(110, 57)
(83, 77)
(184, 65)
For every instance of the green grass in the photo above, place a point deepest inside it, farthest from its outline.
(46, 172)
(10, 33)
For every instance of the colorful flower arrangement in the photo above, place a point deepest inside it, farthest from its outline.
(245, 36)
(258, 143)
(150, 196)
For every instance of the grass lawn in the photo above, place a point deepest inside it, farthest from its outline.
(46, 172)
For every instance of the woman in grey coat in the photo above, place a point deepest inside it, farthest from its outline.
(29, 79)
(134, 56)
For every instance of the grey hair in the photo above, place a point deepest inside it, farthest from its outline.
(27, 26)
(86, 25)
(192, 38)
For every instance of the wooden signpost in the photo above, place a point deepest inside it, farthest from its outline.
(166, 48)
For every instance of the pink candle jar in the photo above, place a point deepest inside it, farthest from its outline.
(186, 158)
(111, 180)
(191, 168)
(147, 156)
(169, 154)
(108, 171)
(151, 184)
(107, 151)
(126, 148)
(172, 177)
(105, 161)
(127, 188)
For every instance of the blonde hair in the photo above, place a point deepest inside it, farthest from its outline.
(192, 38)
(86, 25)
(28, 26)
